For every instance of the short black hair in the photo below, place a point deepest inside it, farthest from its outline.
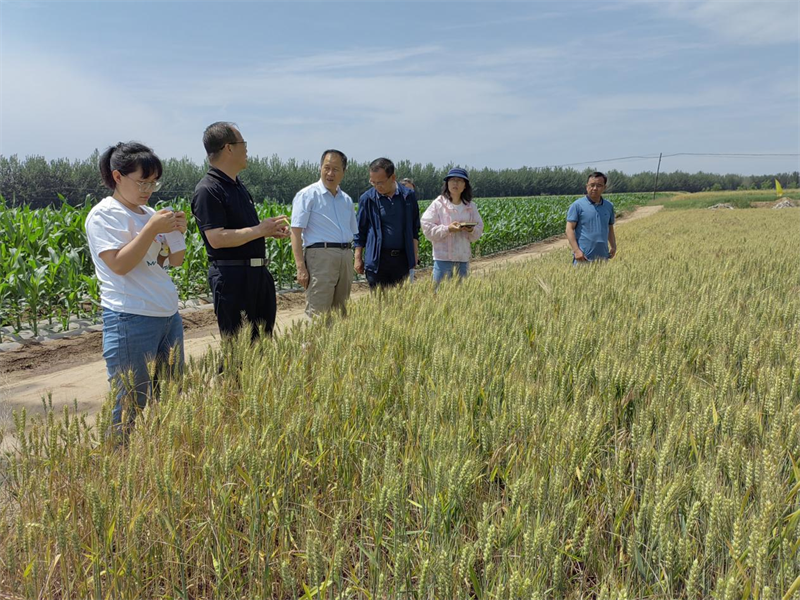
(382, 164)
(127, 157)
(597, 174)
(217, 135)
(337, 152)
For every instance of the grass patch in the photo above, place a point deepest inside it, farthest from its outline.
(739, 199)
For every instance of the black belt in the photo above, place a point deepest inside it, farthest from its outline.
(392, 252)
(249, 262)
(330, 245)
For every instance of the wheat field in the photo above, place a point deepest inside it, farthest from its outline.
(622, 430)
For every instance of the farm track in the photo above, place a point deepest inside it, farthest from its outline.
(73, 368)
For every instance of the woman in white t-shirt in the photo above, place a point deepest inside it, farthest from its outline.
(130, 245)
(452, 223)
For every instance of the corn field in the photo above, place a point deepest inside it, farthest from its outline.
(621, 430)
(49, 275)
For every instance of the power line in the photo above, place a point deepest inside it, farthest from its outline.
(655, 156)
(733, 155)
(592, 162)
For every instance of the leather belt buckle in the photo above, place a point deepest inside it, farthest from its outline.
(257, 262)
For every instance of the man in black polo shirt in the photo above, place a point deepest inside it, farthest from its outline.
(234, 236)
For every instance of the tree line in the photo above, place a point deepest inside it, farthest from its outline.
(38, 182)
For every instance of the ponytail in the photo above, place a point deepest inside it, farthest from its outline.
(105, 166)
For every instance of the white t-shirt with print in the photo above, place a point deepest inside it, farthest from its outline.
(147, 289)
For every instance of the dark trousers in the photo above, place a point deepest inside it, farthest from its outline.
(243, 291)
(391, 270)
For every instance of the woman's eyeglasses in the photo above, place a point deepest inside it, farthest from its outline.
(146, 186)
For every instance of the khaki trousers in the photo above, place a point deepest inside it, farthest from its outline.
(330, 272)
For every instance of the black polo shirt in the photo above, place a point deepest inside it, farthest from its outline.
(219, 201)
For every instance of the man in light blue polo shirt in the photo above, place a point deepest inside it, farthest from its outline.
(590, 223)
(323, 225)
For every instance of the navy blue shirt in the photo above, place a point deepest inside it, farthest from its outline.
(370, 227)
(591, 231)
(219, 201)
(392, 221)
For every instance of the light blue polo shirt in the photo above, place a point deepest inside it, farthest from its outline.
(323, 217)
(593, 220)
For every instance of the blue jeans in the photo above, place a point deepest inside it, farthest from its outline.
(129, 343)
(443, 269)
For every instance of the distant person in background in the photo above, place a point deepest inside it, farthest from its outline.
(387, 242)
(234, 236)
(452, 223)
(409, 183)
(323, 226)
(129, 245)
(590, 223)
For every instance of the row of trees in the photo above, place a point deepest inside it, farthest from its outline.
(38, 182)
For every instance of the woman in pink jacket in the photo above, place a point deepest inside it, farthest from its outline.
(452, 223)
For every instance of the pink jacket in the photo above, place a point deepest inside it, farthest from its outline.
(450, 245)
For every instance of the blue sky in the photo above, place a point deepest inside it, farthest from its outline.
(498, 84)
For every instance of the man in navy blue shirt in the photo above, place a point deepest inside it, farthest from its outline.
(590, 223)
(387, 242)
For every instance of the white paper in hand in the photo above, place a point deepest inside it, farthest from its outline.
(175, 239)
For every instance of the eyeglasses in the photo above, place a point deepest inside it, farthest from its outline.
(146, 186)
(242, 142)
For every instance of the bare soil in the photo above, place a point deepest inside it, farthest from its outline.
(55, 355)
(72, 369)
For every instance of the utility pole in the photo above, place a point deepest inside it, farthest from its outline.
(658, 170)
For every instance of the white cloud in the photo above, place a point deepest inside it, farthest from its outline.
(514, 104)
(47, 103)
(753, 22)
(357, 58)
(714, 97)
(515, 20)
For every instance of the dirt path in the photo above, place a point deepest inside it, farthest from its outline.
(74, 368)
